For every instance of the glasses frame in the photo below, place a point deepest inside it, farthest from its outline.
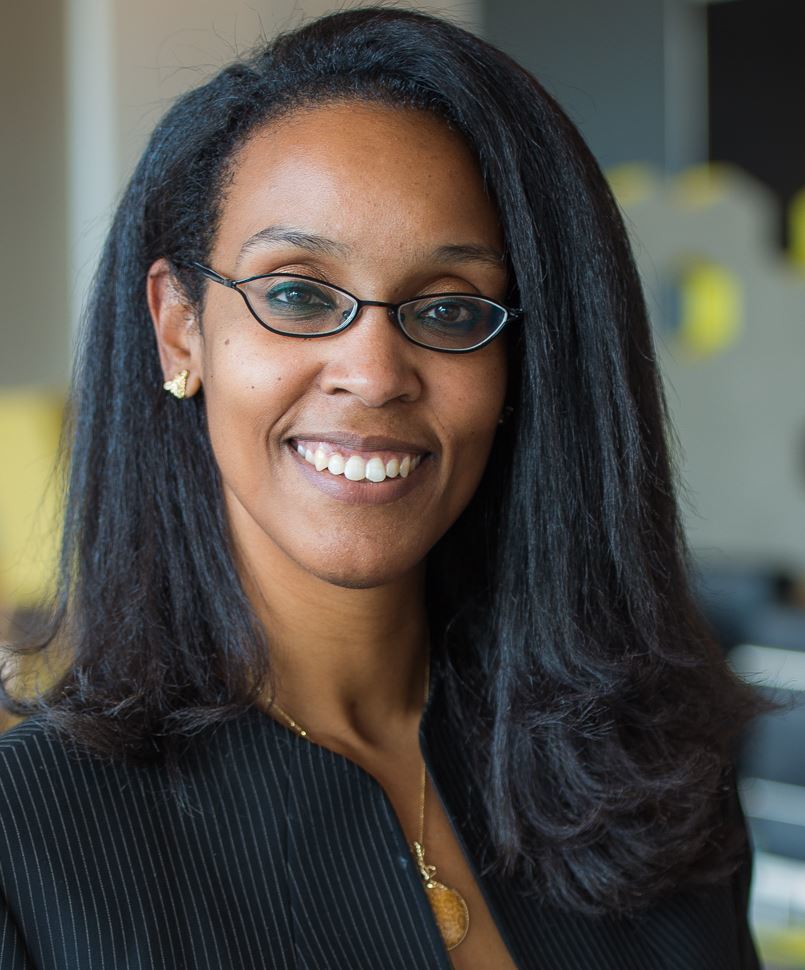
(511, 313)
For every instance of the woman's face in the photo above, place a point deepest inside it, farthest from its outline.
(401, 203)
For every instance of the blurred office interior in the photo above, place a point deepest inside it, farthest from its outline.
(694, 110)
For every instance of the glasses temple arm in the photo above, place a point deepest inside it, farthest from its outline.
(212, 275)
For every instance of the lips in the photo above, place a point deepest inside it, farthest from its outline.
(358, 468)
(363, 444)
(377, 459)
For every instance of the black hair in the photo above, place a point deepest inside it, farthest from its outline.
(599, 712)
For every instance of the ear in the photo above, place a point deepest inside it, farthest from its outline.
(175, 325)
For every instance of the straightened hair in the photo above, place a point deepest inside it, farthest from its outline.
(599, 713)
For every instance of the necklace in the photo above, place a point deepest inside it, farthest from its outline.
(448, 905)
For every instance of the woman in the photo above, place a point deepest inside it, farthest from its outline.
(372, 562)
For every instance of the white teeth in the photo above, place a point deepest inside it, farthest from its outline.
(375, 470)
(335, 465)
(355, 469)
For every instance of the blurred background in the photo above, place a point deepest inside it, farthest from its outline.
(695, 111)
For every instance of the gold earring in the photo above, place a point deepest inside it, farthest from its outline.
(178, 385)
(505, 414)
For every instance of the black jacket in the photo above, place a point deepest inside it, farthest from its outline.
(293, 858)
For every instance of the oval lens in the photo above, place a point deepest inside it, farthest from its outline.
(297, 306)
(451, 322)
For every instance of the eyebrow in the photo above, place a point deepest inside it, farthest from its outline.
(468, 252)
(322, 246)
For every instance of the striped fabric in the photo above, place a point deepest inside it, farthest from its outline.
(292, 857)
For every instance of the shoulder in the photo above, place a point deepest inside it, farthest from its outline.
(709, 926)
(46, 800)
(42, 772)
(29, 752)
(42, 766)
(706, 928)
(37, 745)
(56, 794)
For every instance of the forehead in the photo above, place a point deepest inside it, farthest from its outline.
(376, 178)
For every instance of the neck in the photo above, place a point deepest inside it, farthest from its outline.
(348, 664)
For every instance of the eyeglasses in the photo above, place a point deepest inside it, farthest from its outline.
(299, 306)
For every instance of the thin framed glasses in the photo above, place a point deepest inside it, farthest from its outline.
(299, 306)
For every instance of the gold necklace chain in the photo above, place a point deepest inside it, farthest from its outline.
(448, 905)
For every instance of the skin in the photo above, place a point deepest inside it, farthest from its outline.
(340, 586)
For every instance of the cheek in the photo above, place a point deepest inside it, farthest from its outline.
(246, 387)
(469, 410)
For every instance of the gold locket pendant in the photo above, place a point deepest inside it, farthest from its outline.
(449, 909)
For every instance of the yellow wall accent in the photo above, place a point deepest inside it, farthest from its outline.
(30, 422)
(702, 185)
(796, 229)
(632, 183)
(711, 309)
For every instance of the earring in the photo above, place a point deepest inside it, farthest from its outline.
(505, 414)
(178, 385)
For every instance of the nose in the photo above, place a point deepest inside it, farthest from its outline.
(372, 360)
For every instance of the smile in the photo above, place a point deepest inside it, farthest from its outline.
(356, 467)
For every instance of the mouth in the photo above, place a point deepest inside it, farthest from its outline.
(357, 465)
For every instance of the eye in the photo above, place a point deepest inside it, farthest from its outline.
(297, 305)
(296, 295)
(464, 314)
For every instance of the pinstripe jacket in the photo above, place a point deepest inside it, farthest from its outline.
(293, 858)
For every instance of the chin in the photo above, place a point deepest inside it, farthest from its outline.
(362, 563)
(353, 582)
(360, 577)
